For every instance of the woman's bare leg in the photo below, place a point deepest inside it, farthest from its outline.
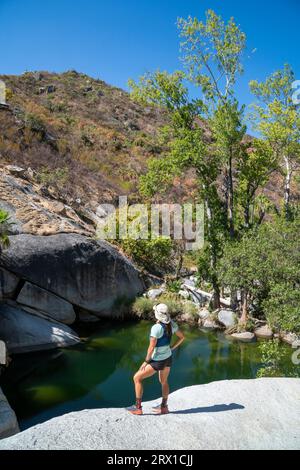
(138, 380)
(163, 378)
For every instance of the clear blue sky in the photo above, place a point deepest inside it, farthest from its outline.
(117, 39)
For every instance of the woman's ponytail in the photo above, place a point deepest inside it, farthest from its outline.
(169, 329)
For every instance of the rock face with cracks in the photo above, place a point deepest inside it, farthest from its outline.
(86, 273)
(50, 304)
(237, 414)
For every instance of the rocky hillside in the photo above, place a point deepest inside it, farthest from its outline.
(84, 141)
(38, 210)
(84, 138)
(237, 415)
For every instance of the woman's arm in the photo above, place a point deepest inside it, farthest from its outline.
(152, 346)
(179, 341)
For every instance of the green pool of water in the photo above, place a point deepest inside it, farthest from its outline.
(98, 373)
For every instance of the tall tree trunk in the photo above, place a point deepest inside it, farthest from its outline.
(215, 301)
(287, 186)
(230, 198)
(226, 192)
(213, 258)
(262, 214)
(179, 263)
(234, 299)
(244, 316)
(247, 214)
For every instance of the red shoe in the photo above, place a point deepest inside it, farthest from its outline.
(134, 410)
(160, 410)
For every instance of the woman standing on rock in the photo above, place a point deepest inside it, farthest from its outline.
(158, 359)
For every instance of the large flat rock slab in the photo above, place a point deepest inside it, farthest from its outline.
(238, 414)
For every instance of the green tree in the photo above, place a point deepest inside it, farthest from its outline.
(265, 267)
(228, 133)
(277, 119)
(149, 250)
(238, 269)
(187, 149)
(282, 307)
(212, 54)
(255, 163)
(271, 358)
(154, 254)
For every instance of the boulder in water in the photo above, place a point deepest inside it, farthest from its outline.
(24, 333)
(245, 337)
(264, 332)
(227, 318)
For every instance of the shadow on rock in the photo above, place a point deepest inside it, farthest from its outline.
(210, 409)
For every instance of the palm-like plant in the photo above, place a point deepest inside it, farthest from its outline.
(4, 229)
